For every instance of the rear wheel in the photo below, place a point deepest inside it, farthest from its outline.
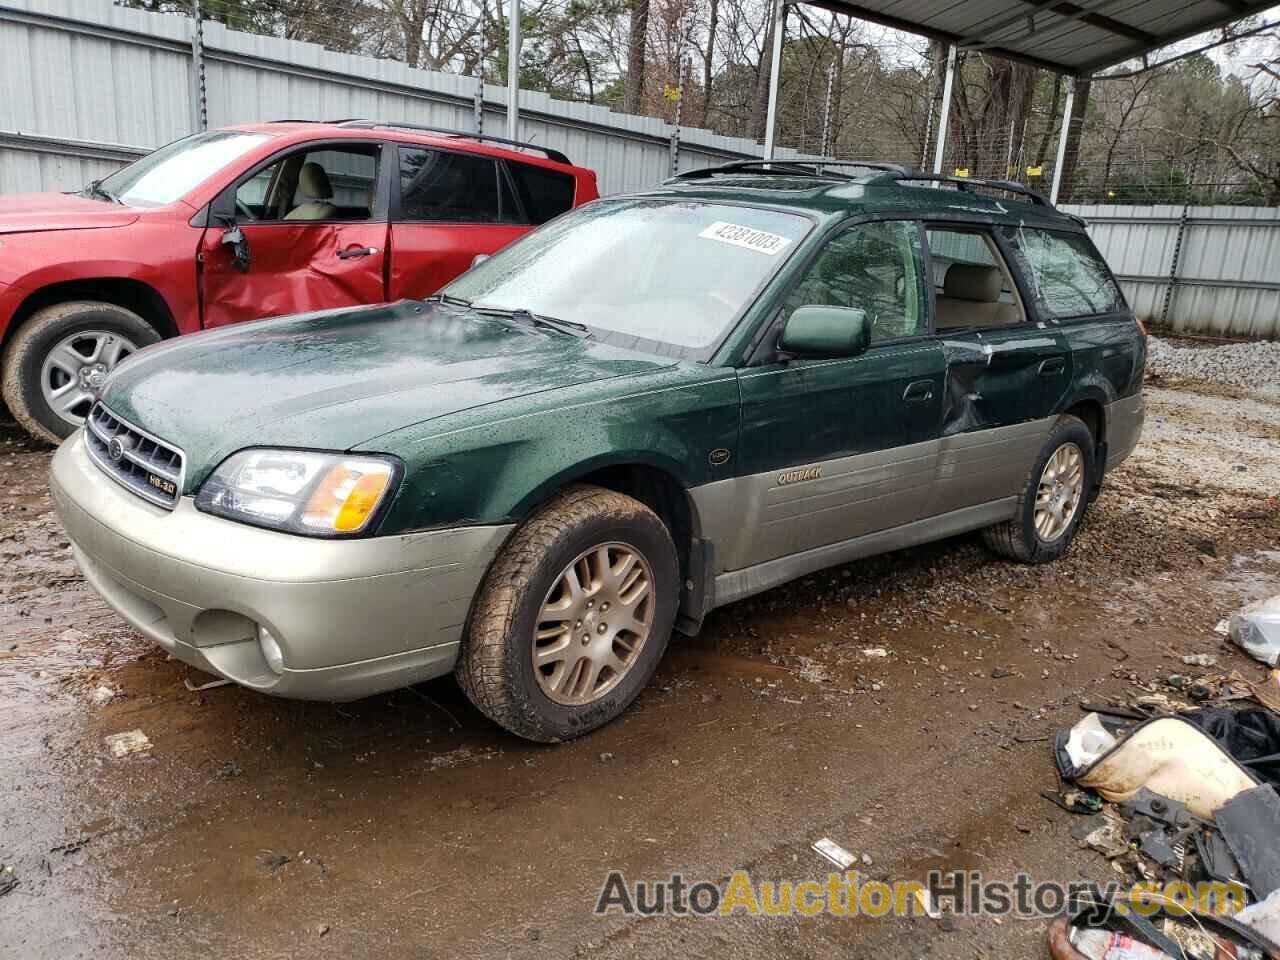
(1053, 500)
(574, 616)
(59, 358)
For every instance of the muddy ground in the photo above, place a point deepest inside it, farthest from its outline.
(408, 826)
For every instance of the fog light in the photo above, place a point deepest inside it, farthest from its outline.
(270, 650)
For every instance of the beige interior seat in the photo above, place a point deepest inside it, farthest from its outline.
(313, 183)
(971, 298)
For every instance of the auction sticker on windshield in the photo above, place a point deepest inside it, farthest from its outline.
(761, 241)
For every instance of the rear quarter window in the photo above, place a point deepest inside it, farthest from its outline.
(439, 186)
(1067, 275)
(545, 194)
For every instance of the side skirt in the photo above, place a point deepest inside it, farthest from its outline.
(739, 584)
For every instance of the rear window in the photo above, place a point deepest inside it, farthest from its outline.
(1067, 275)
(444, 187)
(545, 194)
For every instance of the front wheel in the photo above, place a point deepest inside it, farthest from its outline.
(59, 358)
(1053, 499)
(573, 617)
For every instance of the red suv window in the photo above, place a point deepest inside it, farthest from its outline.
(544, 193)
(444, 187)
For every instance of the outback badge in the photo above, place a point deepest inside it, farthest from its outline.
(795, 476)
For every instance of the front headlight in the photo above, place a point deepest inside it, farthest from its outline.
(320, 494)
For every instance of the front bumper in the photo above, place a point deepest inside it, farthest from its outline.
(353, 617)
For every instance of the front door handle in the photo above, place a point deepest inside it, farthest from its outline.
(919, 392)
(1052, 367)
(353, 252)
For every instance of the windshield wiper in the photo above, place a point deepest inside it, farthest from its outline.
(525, 315)
(95, 189)
(451, 301)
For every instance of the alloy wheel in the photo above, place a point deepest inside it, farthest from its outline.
(76, 368)
(1060, 492)
(593, 623)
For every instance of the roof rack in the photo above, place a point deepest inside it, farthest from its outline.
(551, 153)
(301, 120)
(968, 183)
(803, 168)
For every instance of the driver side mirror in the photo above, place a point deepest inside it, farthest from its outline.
(817, 331)
(234, 238)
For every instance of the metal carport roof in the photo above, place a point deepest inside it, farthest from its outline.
(1072, 38)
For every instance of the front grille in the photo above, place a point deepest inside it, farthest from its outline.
(145, 464)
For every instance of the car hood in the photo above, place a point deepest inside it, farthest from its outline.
(38, 212)
(336, 379)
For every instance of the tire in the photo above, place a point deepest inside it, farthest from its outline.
(496, 667)
(1019, 538)
(75, 324)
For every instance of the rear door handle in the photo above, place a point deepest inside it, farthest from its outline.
(1052, 367)
(919, 392)
(352, 252)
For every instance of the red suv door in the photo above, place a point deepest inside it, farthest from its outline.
(450, 206)
(306, 230)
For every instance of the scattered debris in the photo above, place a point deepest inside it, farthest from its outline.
(1256, 630)
(1170, 756)
(837, 854)
(197, 687)
(1109, 839)
(7, 879)
(1200, 660)
(230, 769)
(875, 652)
(813, 671)
(1251, 737)
(272, 862)
(1250, 823)
(71, 846)
(1263, 917)
(1075, 801)
(927, 904)
(102, 695)
(1088, 741)
(1267, 693)
(606, 757)
(455, 757)
(1094, 943)
(131, 741)
(322, 929)
(1188, 808)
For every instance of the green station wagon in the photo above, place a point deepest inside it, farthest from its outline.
(651, 407)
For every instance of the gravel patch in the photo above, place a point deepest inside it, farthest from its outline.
(1253, 366)
(1211, 442)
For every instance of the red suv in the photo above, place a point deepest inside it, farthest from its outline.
(248, 222)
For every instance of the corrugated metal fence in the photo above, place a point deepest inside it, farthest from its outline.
(1200, 270)
(87, 85)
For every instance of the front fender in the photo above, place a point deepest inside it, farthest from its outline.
(164, 262)
(544, 491)
(494, 464)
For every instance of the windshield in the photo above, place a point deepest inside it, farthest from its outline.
(670, 274)
(173, 171)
